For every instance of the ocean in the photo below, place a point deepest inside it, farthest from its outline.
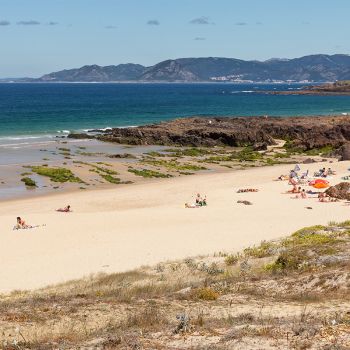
(31, 112)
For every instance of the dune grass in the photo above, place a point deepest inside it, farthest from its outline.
(271, 294)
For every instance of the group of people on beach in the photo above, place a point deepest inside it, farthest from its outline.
(22, 225)
(296, 181)
(324, 172)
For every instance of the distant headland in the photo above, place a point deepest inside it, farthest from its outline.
(337, 88)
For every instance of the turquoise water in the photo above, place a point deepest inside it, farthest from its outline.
(45, 110)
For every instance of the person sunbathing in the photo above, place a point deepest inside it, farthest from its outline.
(295, 189)
(243, 190)
(65, 209)
(192, 206)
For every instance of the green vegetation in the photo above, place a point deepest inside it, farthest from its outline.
(173, 165)
(98, 169)
(231, 259)
(309, 236)
(122, 156)
(263, 250)
(29, 182)
(105, 173)
(291, 148)
(188, 152)
(270, 161)
(90, 154)
(281, 155)
(26, 174)
(56, 174)
(155, 154)
(111, 179)
(102, 163)
(299, 250)
(63, 149)
(247, 154)
(218, 159)
(148, 173)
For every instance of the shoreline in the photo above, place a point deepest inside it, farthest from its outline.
(102, 235)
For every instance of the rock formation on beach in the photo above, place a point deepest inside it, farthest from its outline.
(304, 133)
(339, 191)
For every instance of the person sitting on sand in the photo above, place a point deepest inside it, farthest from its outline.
(302, 195)
(65, 209)
(322, 197)
(21, 224)
(200, 202)
(203, 203)
(323, 172)
(331, 172)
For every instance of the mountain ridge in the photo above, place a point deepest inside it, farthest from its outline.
(313, 68)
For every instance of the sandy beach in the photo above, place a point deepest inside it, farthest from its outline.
(123, 228)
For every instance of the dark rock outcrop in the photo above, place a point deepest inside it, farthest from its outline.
(340, 191)
(192, 132)
(309, 161)
(305, 133)
(344, 151)
(260, 146)
(80, 136)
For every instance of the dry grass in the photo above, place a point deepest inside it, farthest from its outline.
(291, 294)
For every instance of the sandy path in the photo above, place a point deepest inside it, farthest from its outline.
(123, 228)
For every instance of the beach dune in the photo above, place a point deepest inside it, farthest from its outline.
(123, 228)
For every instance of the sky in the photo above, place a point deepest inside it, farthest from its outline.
(42, 36)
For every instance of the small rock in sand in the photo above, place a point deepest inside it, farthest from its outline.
(245, 202)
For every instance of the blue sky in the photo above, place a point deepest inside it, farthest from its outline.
(40, 36)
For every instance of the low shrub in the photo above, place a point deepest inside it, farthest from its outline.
(205, 293)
